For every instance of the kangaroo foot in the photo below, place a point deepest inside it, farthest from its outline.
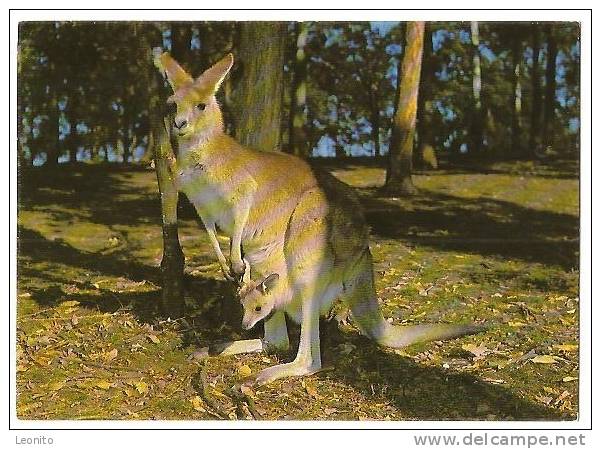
(230, 348)
(286, 370)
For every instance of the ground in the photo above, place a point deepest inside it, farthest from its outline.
(498, 247)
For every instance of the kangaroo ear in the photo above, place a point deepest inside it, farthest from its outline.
(215, 75)
(268, 282)
(176, 76)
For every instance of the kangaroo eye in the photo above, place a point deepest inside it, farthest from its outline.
(258, 309)
(201, 106)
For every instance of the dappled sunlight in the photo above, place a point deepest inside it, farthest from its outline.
(89, 283)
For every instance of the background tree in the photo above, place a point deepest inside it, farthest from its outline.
(80, 95)
(516, 120)
(426, 154)
(258, 95)
(550, 87)
(161, 125)
(298, 139)
(536, 106)
(476, 129)
(398, 176)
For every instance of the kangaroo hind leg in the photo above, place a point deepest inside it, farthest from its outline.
(308, 358)
(276, 332)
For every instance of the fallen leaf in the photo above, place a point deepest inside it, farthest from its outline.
(245, 389)
(562, 397)
(244, 371)
(67, 304)
(544, 359)
(477, 351)
(111, 355)
(197, 404)
(566, 347)
(154, 339)
(311, 390)
(493, 381)
(545, 399)
(141, 387)
(516, 324)
(569, 379)
(55, 386)
(128, 392)
(103, 384)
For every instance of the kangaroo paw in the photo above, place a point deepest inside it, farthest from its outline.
(238, 267)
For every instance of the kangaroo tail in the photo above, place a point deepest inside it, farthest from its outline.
(366, 312)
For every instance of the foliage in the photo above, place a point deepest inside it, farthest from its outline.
(81, 95)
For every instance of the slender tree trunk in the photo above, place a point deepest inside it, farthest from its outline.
(22, 139)
(550, 88)
(339, 152)
(476, 122)
(172, 263)
(398, 176)
(375, 129)
(298, 144)
(73, 142)
(258, 95)
(426, 154)
(535, 119)
(516, 120)
(53, 151)
(126, 146)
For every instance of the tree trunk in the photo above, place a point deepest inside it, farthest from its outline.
(258, 95)
(535, 119)
(375, 130)
(398, 176)
(172, 263)
(73, 142)
(181, 36)
(426, 153)
(53, 143)
(476, 121)
(126, 146)
(550, 88)
(516, 119)
(298, 144)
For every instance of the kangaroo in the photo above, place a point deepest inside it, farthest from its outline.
(302, 231)
(326, 257)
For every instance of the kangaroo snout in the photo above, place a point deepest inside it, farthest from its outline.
(179, 124)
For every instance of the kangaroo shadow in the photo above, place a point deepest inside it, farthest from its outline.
(422, 392)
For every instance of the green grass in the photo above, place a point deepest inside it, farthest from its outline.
(499, 248)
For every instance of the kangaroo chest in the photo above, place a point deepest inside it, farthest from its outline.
(210, 196)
